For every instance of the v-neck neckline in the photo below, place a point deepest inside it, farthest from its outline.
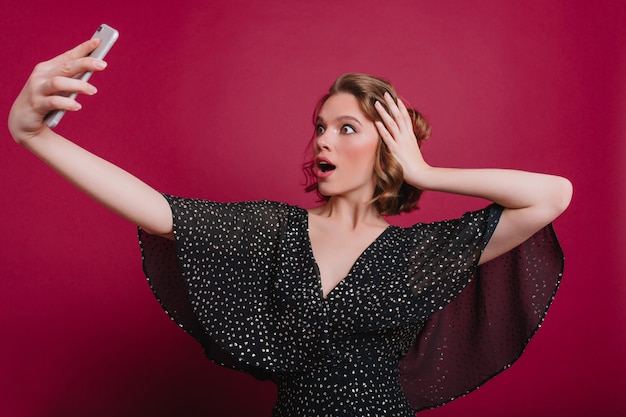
(351, 271)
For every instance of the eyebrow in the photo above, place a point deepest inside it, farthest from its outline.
(341, 119)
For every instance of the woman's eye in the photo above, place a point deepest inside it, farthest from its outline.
(347, 129)
(319, 129)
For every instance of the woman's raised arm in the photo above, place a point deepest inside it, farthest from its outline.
(530, 200)
(108, 184)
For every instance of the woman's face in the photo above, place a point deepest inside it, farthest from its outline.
(344, 149)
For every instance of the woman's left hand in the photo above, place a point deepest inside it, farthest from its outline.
(397, 132)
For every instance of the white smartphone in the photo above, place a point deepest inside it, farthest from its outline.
(107, 36)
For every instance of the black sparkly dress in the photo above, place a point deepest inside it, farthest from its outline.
(414, 325)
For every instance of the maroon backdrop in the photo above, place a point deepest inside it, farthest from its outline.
(213, 100)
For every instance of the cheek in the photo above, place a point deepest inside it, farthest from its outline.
(364, 151)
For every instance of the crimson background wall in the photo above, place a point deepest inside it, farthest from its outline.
(213, 99)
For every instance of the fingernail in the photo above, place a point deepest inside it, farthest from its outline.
(92, 89)
(100, 64)
(78, 106)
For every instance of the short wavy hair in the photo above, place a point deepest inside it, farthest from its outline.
(392, 195)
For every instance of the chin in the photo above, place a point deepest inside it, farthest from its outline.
(324, 193)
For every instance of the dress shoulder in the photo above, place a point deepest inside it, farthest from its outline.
(210, 234)
(217, 280)
(443, 255)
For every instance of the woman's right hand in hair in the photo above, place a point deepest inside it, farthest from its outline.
(105, 182)
(39, 95)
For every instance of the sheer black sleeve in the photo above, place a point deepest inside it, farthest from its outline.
(484, 329)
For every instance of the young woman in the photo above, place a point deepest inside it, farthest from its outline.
(348, 315)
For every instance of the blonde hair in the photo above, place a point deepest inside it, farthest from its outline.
(392, 195)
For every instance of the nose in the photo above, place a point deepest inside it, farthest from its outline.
(322, 141)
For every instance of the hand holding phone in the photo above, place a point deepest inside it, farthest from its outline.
(107, 36)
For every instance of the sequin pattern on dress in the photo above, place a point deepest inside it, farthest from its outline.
(414, 324)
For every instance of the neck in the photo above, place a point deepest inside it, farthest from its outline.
(349, 213)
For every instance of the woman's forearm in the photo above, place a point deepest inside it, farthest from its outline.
(509, 188)
(108, 184)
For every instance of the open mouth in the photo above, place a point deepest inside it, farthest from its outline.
(325, 166)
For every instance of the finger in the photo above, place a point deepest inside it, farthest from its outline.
(75, 61)
(79, 66)
(388, 120)
(56, 102)
(396, 113)
(402, 119)
(399, 113)
(60, 84)
(385, 135)
(406, 117)
(63, 101)
(393, 107)
(81, 50)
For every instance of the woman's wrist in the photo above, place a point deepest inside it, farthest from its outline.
(421, 176)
